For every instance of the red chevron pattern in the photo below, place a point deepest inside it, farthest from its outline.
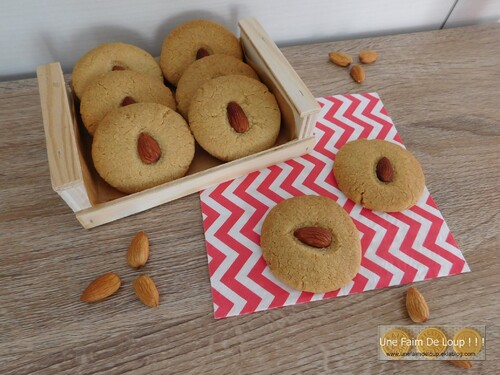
(398, 248)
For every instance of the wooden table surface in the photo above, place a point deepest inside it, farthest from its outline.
(442, 90)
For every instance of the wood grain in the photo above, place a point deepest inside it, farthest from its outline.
(67, 167)
(440, 88)
(275, 71)
(143, 200)
(75, 179)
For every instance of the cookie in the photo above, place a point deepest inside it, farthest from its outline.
(194, 40)
(360, 172)
(296, 259)
(203, 70)
(218, 99)
(117, 89)
(142, 145)
(112, 56)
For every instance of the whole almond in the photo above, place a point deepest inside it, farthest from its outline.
(368, 56)
(138, 251)
(146, 291)
(148, 149)
(201, 53)
(461, 364)
(340, 58)
(358, 73)
(127, 101)
(385, 172)
(237, 118)
(417, 308)
(102, 287)
(314, 236)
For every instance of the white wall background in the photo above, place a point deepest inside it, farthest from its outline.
(470, 12)
(34, 32)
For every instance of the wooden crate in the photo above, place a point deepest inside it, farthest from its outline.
(95, 203)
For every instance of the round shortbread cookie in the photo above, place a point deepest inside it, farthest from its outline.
(306, 267)
(208, 117)
(355, 169)
(116, 89)
(117, 145)
(185, 43)
(112, 56)
(202, 71)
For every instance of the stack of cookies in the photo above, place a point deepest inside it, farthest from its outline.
(144, 132)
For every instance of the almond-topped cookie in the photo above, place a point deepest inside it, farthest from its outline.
(203, 70)
(112, 57)
(195, 40)
(234, 116)
(310, 243)
(379, 175)
(120, 88)
(142, 145)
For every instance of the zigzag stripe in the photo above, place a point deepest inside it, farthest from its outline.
(372, 111)
(347, 131)
(403, 248)
(390, 251)
(317, 175)
(379, 111)
(227, 258)
(362, 281)
(334, 142)
(281, 299)
(364, 113)
(305, 297)
(332, 105)
(209, 215)
(367, 234)
(279, 294)
(382, 127)
(296, 170)
(327, 121)
(266, 193)
(413, 243)
(323, 161)
(349, 120)
(250, 239)
(217, 258)
(332, 294)
(230, 233)
(299, 183)
(346, 289)
(276, 295)
(432, 250)
(376, 252)
(326, 141)
(355, 115)
(252, 208)
(397, 247)
(445, 238)
(223, 306)
(431, 242)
